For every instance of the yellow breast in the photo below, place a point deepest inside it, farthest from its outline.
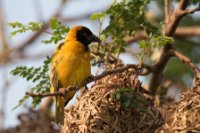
(70, 65)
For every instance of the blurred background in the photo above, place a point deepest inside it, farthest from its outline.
(27, 50)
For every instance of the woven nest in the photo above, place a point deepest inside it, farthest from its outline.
(186, 116)
(115, 104)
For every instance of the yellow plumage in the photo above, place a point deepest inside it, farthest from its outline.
(70, 65)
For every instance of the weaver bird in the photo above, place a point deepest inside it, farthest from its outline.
(70, 65)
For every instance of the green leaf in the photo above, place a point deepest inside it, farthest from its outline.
(34, 74)
(59, 31)
(97, 16)
(126, 18)
(15, 24)
(22, 28)
(143, 44)
(118, 95)
(29, 77)
(21, 101)
(161, 41)
(157, 41)
(35, 26)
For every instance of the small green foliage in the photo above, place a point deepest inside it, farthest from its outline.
(34, 74)
(127, 17)
(58, 31)
(157, 41)
(21, 101)
(127, 98)
(22, 28)
(154, 42)
(98, 16)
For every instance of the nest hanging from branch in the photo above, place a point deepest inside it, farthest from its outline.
(114, 104)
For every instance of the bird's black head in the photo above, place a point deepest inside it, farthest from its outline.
(85, 36)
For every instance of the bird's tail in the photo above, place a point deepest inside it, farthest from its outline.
(59, 118)
(61, 102)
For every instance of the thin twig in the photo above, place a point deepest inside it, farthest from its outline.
(166, 11)
(184, 59)
(113, 71)
(187, 11)
(180, 32)
(48, 94)
(188, 31)
(32, 38)
(175, 18)
(63, 91)
(38, 10)
(170, 29)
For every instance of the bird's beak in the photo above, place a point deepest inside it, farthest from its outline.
(94, 38)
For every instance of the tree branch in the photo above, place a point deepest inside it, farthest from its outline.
(166, 11)
(48, 94)
(175, 18)
(170, 29)
(3, 40)
(4, 80)
(38, 33)
(62, 91)
(140, 35)
(38, 9)
(184, 59)
(188, 31)
(180, 32)
(187, 11)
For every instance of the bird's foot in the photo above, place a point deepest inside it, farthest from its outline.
(63, 90)
(90, 78)
(86, 88)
